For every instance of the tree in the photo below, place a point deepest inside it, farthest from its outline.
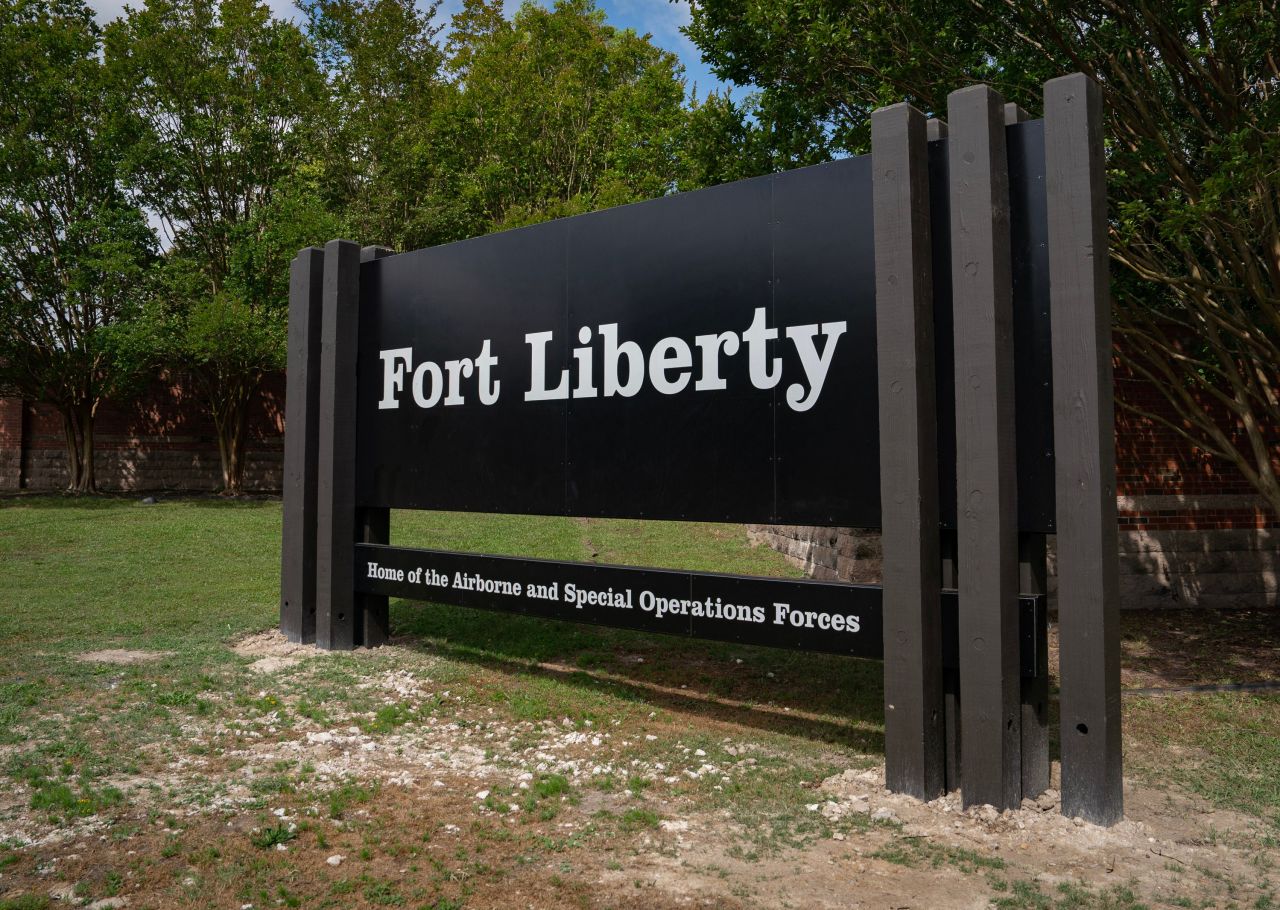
(218, 98)
(72, 248)
(385, 80)
(1193, 135)
(556, 112)
(725, 140)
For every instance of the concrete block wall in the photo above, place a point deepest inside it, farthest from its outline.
(1233, 568)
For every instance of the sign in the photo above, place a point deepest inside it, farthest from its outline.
(872, 342)
(707, 356)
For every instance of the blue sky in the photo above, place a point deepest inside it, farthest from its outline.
(661, 18)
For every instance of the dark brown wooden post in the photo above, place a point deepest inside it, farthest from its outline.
(936, 129)
(908, 453)
(301, 447)
(373, 525)
(336, 520)
(986, 469)
(1032, 568)
(1084, 439)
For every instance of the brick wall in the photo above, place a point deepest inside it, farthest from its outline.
(1192, 530)
(165, 441)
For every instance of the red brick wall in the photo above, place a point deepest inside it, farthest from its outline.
(1165, 483)
(165, 440)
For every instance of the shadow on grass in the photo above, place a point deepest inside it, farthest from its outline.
(102, 501)
(819, 697)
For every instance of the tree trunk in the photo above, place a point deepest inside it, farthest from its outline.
(77, 425)
(230, 418)
(88, 477)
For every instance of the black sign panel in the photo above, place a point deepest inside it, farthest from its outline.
(705, 356)
(797, 615)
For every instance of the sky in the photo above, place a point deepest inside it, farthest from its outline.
(660, 18)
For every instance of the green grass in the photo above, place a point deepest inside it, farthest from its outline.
(185, 578)
(1026, 895)
(1235, 743)
(25, 902)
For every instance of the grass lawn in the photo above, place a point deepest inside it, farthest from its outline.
(617, 769)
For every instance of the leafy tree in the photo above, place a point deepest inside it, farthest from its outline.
(556, 112)
(227, 342)
(218, 98)
(1193, 93)
(385, 81)
(72, 248)
(725, 140)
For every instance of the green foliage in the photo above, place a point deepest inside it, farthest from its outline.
(377, 160)
(268, 838)
(554, 112)
(72, 246)
(217, 100)
(1193, 91)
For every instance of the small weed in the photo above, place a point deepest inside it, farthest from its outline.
(549, 785)
(312, 712)
(350, 793)
(61, 798)
(112, 883)
(271, 837)
(383, 894)
(897, 854)
(388, 718)
(275, 783)
(636, 819)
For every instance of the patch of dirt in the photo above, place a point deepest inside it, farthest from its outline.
(938, 855)
(122, 656)
(273, 651)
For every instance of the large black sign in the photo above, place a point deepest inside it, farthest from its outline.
(706, 356)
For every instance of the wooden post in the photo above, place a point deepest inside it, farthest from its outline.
(1084, 439)
(1032, 568)
(936, 129)
(336, 520)
(373, 525)
(301, 445)
(908, 453)
(986, 469)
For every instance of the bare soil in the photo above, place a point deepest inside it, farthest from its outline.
(441, 812)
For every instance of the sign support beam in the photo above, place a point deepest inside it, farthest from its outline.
(914, 724)
(1084, 431)
(1032, 579)
(336, 520)
(986, 466)
(373, 525)
(936, 129)
(301, 449)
